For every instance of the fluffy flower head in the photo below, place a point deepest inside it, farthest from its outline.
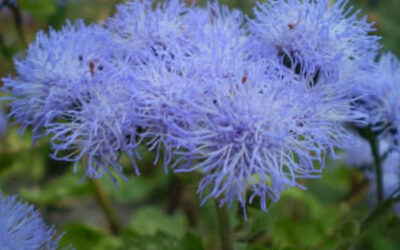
(57, 66)
(22, 228)
(260, 133)
(314, 37)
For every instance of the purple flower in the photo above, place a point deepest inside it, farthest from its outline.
(73, 87)
(167, 46)
(314, 38)
(167, 30)
(260, 132)
(57, 69)
(379, 89)
(384, 92)
(21, 227)
(99, 129)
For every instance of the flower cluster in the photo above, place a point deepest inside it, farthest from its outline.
(254, 104)
(21, 227)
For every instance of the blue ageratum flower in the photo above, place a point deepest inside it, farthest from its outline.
(250, 125)
(385, 89)
(73, 87)
(102, 127)
(380, 88)
(222, 40)
(22, 228)
(261, 133)
(97, 133)
(161, 44)
(166, 29)
(57, 69)
(314, 38)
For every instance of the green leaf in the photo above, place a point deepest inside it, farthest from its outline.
(132, 190)
(155, 242)
(148, 220)
(83, 237)
(54, 192)
(192, 241)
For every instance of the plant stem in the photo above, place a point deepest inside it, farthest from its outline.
(368, 134)
(106, 204)
(225, 230)
(374, 144)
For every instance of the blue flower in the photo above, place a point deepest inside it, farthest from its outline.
(22, 228)
(380, 88)
(57, 67)
(314, 38)
(166, 30)
(73, 87)
(166, 46)
(386, 88)
(100, 128)
(260, 132)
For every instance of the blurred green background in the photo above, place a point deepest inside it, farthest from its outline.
(159, 211)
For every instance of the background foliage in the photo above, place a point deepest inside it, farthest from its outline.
(159, 211)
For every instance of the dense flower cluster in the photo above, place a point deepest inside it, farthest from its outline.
(253, 104)
(21, 227)
(314, 37)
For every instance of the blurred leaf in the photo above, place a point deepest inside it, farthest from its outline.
(84, 237)
(65, 187)
(40, 8)
(148, 220)
(336, 182)
(131, 190)
(155, 242)
(192, 241)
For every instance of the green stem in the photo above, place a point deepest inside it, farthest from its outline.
(368, 134)
(374, 144)
(106, 204)
(225, 230)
